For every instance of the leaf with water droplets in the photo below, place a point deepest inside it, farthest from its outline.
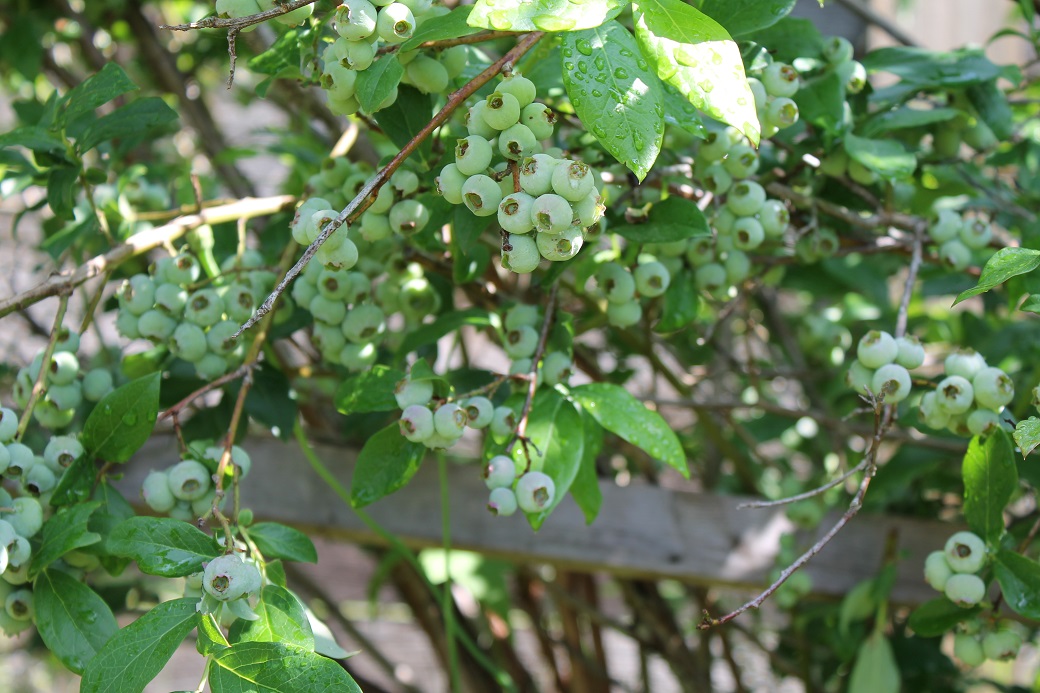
(123, 420)
(1019, 579)
(274, 667)
(616, 410)
(283, 618)
(1027, 435)
(627, 114)
(697, 56)
(543, 15)
(73, 620)
(163, 546)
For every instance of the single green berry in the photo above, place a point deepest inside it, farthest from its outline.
(589, 210)
(64, 368)
(502, 501)
(965, 552)
(185, 269)
(156, 326)
(155, 490)
(449, 183)
(965, 363)
(499, 472)
(780, 79)
(954, 395)
(741, 161)
(711, 277)
(502, 111)
(954, 254)
(479, 411)
(364, 323)
(416, 423)
(228, 577)
(473, 155)
(520, 253)
(535, 492)
(449, 421)
(39, 479)
(1001, 645)
(536, 174)
(520, 87)
(910, 352)
(204, 308)
(551, 213)
(409, 217)
(746, 198)
(965, 590)
(968, 649)
(503, 423)
(540, 119)
(892, 381)
(557, 247)
(837, 50)
(747, 233)
(652, 279)
(936, 570)
(557, 367)
(975, 233)
(624, 314)
(239, 302)
(782, 112)
(931, 413)
(27, 518)
(189, 480)
(521, 342)
(946, 227)
(188, 342)
(518, 142)
(475, 123)
(993, 388)
(514, 213)
(877, 348)
(573, 180)
(427, 75)
(481, 195)
(62, 451)
(409, 392)
(983, 422)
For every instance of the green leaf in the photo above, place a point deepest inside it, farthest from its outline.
(625, 416)
(585, 490)
(282, 619)
(790, 39)
(554, 426)
(1019, 579)
(278, 541)
(887, 158)
(133, 657)
(163, 546)
(907, 117)
(933, 69)
(681, 303)
(934, 618)
(269, 667)
(678, 111)
(64, 531)
(746, 16)
(75, 482)
(113, 510)
(673, 219)
(376, 83)
(444, 324)
(403, 119)
(73, 620)
(1003, 265)
(98, 89)
(875, 670)
(131, 122)
(62, 185)
(454, 24)
(123, 420)
(369, 391)
(1032, 304)
(543, 15)
(35, 138)
(210, 638)
(613, 92)
(386, 463)
(1027, 435)
(693, 53)
(990, 477)
(284, 56)
(821, 102)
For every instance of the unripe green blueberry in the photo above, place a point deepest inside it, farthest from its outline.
(20, 459)
(409, 392)
(237, 8)
(700, 251)
(738, 266)
(954, 254)
(333, 284)
(204, 308)
(859, 378)
(502, 501)
(965, 589)
(540, 119)
(239, 302)
(514, 213)
(65, 396)
(96, 384)
(156, 326)
(330, 312)
(877, 348)
(573, 180)
(364, 323)
(64, 368)
(520, 87)
(741, 161)
(780, 79)
(931, 413)
(383, 201)
(983, 422)
(416, 423)
(454, 60)
(8, 424)
(965, 363)
(239, 457)
(536, 174)
(188, 342)
(408, 217)
(27, 518)
(947, 226)
(936, 570)
(520, 254)
(551, 213)
(171, 298)
(355, 20)
(746, 198)
(473, 155)
(535, 492)
(340, 82)
(220, 338)
(748, 233)
(137, 294)
(521, 314)
(782, 112)
(184, 270)
(51, 417)
(155, 490)
(1001, 645)
(189, 480)
(518, 142)
(993, 388)
(449, 421)
(624, 314)
(521, 342)
(479, 411)
(774, 218)
(481, 195)
(502, 111)
(715, 146)
(975, 233)
(968, 649)
(589, 210)
(428, 75)
(475, 123)
(711, 277)
(652, 279)
(503, 423)
(19, 605)
(557, 367)
(965, 552)
(954, 395)
(499, 472)
(329, 339)
(5, 460)
(343, 256)
(228, 577)
(837, 50)
(39, 479)
(561, 246)
(126, 325)
(892, 381)
(395, 23)
(910, 352)
(61, 451)
(449, 183)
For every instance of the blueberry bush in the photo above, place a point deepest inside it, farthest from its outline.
(566, 242)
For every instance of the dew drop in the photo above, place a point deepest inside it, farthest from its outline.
(583, 66)
(569, 65)
(597, 93)
(600, 62)
(567, 52)
(584, 46)
(620, 73)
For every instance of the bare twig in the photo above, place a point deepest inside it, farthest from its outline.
(175, 410)
(532, 381)
(239, 23)
(367, 194)
(41, 378)
(808, 494)
(911, 278)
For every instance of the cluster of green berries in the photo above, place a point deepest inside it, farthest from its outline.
(520, 342)
(362, 27)
(953, 571)
(235, 9)
(542, 201)
(968, 401)
(438, 425)
(956, 236)
(226, 585)
(622, 288)
(185, 490)
(773, 86)
(66, 385)
(883, 364)
(175, 306)
(977, 641)
(512, 488)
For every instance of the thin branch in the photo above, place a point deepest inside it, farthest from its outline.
(479, 37)
(808, 494)
(871, 222)
(41, 378)
(532, 380)
(239, 23)
(175, 410)
(911, 278)
(367, 194)
(143, 242)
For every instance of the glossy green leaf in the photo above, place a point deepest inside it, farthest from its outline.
(554, 426)
(210, 637)
(678, 111)
(282, 619)
(990, 477)
(821, 102)
(279, 541)
(386, 463)
(376, 83)
(875, 670)
(616, 410)
(163, 546)
(790, 38)
(133, 657)
(1003, 265)
(613, 91)
(133, 122)
(908, 117)
(543, 15)
(123, 420)
(887, 158)
(31, 137)
(933, 69)
(934, 618)
(1019, 579)
(403, 119)
(284, 56)
(444, 324)
(76, 482)
(585, 489)
(451, 25)
(681, 303)
(98, 89)
(369, 391)
(745, 16)
(64, 531)
(73, 620)
(62, 188)
(695, 54)
(1027, 435)
(673, 219)
(269, 667)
